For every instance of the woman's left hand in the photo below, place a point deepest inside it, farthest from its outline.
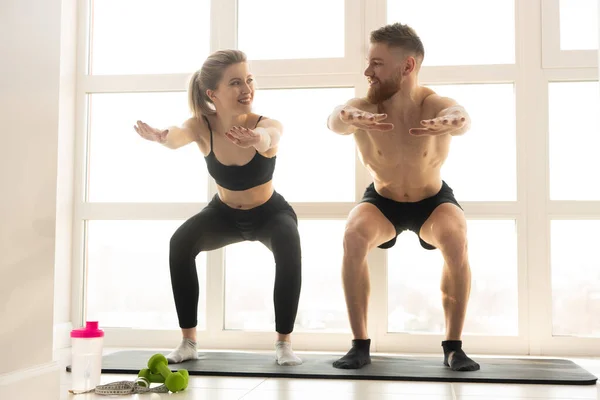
(243, 137)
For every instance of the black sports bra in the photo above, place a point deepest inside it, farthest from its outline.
(256, 172)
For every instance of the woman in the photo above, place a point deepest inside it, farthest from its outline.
(239, 148)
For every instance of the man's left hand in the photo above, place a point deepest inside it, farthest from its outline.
(439, 126)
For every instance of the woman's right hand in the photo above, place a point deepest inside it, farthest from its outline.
(150, 133)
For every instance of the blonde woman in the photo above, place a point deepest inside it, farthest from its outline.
(240, 149)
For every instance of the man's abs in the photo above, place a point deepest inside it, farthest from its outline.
(404, 171)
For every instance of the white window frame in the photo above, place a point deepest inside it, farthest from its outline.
(557, 66)
(552, 55)
(532, 209)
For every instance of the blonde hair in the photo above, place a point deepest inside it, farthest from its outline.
(208, 77)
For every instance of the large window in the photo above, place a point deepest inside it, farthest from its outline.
(574, 125)
(447, 29)
(128, 275)
(307, 144)
(570, 43)
(298, 31)
(414, 283)
(578, 24)
(569, 33)
(489, 146)
(524, 174)
(575, 278)
(250, 274)
(148, 37)
(123, 167)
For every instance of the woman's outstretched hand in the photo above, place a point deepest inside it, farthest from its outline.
(243, 137)
(150, 133)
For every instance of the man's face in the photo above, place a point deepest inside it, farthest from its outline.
(382, 72)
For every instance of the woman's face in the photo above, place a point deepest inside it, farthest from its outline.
(235, 91)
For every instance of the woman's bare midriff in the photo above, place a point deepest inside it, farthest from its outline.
(246, 199)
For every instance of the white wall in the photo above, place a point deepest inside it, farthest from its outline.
(64, 188)
(33, 117)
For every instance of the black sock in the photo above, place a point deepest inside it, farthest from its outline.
(357, 357)
(455, 357)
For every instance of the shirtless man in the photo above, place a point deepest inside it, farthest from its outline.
(403, 133)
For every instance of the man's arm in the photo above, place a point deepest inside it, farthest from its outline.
(355, 114)
(335, 123)
(447, 107)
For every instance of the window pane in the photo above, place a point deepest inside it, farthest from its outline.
(305, 171)
(578, 24)
(575, 278)
(414, 275)
(277, 30)
(128, 279)
(250, 274)
(124, 167)
(149, 36)
(481, 165)
(574, 140)
(488, 38)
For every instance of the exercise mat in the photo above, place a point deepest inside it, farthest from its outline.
(395, 368)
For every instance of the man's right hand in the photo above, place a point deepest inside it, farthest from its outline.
(150, 133)
(364, 120)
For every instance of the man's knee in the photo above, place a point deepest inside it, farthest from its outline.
(453, 244)
(356, 242)
(366, 228)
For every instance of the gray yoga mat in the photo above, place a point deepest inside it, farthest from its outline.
(397, 368)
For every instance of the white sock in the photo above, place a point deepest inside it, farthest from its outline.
(185, 351)
(285, 355)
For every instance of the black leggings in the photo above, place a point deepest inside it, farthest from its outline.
(274, 224)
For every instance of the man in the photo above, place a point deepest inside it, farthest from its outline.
(403, 133)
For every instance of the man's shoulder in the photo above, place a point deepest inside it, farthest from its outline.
(429, 96)
(362, 104)
(434, 102)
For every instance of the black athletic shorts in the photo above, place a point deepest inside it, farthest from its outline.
(408, 215)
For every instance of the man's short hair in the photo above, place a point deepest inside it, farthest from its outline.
(400, 36)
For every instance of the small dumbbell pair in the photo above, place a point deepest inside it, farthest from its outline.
(145, 378)
(158, 372)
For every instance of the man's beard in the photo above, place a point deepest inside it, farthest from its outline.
(384, 90)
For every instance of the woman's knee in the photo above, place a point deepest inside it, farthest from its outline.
(283, 231)
(183, 245)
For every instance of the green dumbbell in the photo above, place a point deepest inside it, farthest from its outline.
(174, 381)
(146, 377)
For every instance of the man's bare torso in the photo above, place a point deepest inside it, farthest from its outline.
(404, 167)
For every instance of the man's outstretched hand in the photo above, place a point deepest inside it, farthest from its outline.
(439, 126)
(364, 120)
